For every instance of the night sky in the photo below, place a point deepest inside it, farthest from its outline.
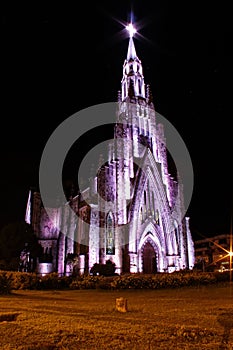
(57, 60)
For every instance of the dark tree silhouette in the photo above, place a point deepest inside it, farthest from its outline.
(13, 238)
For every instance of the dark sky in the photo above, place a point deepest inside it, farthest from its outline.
(59, 59)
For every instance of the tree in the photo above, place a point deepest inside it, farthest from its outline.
(12, 241)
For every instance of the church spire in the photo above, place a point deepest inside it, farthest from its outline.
(132, 84)
(131, 50)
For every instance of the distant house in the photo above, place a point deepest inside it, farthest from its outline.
(211, 253)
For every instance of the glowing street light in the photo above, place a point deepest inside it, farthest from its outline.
(231, 252)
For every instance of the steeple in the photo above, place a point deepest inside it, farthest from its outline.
(132, 84)
(131, 50)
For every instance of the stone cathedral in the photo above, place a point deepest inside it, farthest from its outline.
(139, 224)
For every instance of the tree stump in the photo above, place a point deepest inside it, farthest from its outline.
(121, 304)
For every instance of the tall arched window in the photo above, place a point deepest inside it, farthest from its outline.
(157, 217)
(148, 200)
(176, 245)
(145, 197)
(145, 206)
(110, 236)
(139, 87)
(153, 205)
(176, 232)
(141, 215)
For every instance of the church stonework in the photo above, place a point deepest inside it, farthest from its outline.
(132, 213)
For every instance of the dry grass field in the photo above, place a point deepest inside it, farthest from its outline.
(184, 318)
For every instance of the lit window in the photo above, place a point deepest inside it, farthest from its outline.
(110, 239)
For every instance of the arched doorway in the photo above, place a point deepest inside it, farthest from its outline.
(149, 259)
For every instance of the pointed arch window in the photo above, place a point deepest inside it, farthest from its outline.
(125, 89)
(148, 200)
(157, 217)
(145, 199)
(153, 205)
(141, 215)
(139, 87)
(176, 231)
(110, 235)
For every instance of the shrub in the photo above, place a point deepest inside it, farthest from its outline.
(24, 280)
(5, 282)
(107, 269)
(27, 280)
(222, 276)
(53, 281)
(163, 280)
(86, 282)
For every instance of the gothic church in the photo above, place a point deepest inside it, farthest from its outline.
(140, 224)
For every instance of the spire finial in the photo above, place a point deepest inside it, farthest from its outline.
(131, 30)
(131, 48)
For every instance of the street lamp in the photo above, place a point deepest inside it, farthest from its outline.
(231, 255)
(231, 252)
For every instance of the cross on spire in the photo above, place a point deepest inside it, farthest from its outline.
(131, 30)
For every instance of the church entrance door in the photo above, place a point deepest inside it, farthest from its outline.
(149, 259)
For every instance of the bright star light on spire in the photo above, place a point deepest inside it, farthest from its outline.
(131, 30)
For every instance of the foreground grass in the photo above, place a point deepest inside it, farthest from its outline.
(185, 318)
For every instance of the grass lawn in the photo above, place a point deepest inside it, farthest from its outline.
(184, 318)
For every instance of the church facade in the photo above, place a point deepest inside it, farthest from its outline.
(132, 213)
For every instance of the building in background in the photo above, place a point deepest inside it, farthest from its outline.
(213, 253)
(139, 224)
